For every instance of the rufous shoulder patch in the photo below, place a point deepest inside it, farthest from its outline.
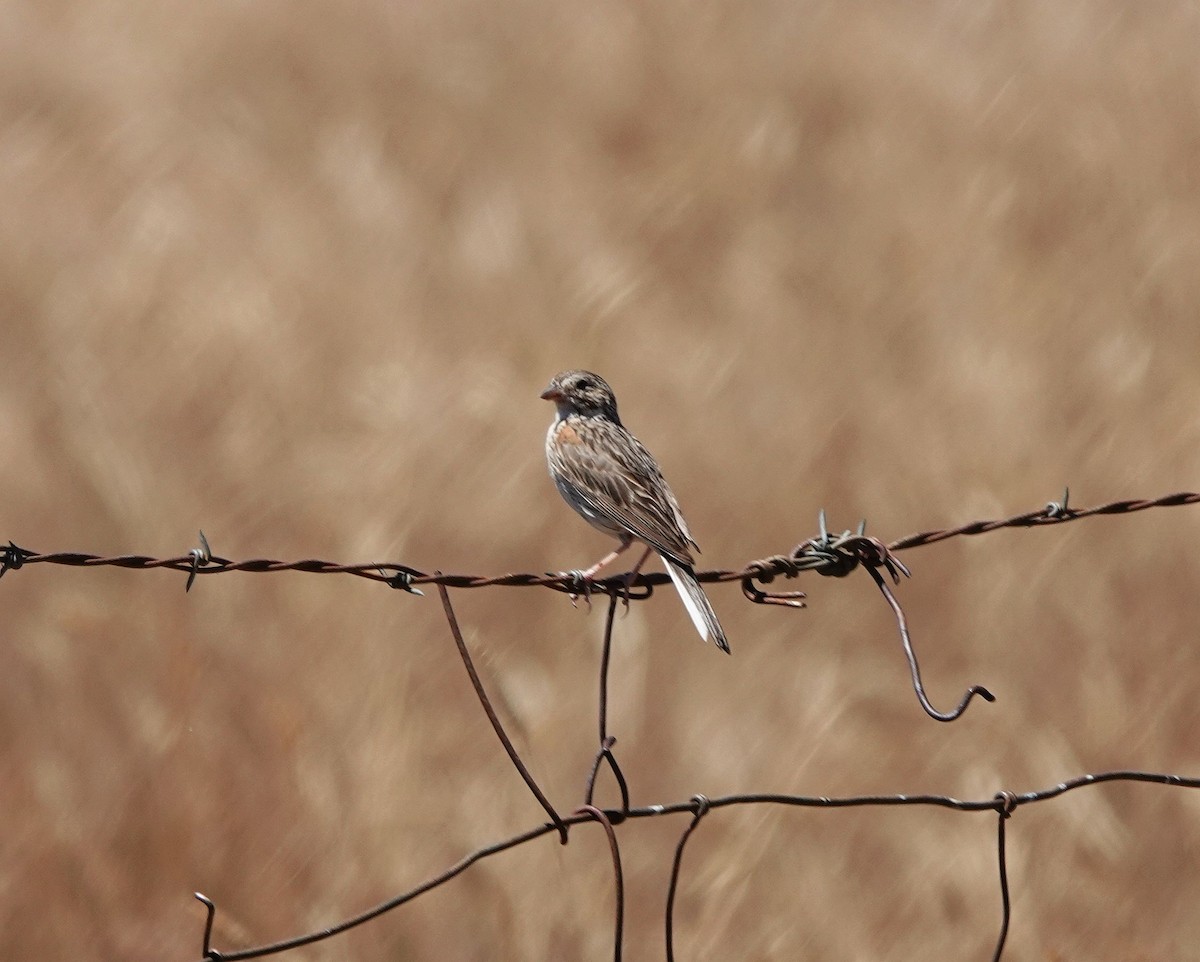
(566, 434)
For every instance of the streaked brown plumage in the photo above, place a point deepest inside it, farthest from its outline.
(608, 476)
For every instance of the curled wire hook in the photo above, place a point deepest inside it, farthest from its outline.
(765, 571)
(914, 668)
(788, 599)
(838, 556)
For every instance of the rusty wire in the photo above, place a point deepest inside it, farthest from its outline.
(701, 810)
(829, 555)
(607, 741)
(1009, 804)
(834, 556)
(1004, 804)
(826, 554)
(509, 748)
(618, 877)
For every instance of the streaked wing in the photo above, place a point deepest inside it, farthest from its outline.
(618, 479)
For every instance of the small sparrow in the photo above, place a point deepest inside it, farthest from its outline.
(604, 473)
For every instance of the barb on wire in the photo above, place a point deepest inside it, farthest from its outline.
(402, 580)
(200, 556)
(13, 558)
(495, 719)
(701, 810)
(1060, 509)
(607, 741)
(619, 881)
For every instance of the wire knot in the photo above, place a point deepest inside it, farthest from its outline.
(1008, 803)
(873, 553)
(835, 563)
(840, 555)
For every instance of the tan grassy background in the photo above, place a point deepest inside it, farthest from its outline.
(295, 274)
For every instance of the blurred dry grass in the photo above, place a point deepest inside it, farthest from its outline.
(295, 273)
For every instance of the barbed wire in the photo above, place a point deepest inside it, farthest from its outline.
(826, 554)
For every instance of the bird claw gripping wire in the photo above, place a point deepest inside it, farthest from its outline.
(578, 579)
(627, 582)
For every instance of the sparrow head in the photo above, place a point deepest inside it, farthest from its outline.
(582, 392)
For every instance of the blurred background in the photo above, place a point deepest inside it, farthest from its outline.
(296, 273)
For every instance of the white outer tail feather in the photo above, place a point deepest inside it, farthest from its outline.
(696, 602)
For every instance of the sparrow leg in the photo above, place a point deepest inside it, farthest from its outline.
(632, 576)
(609, 558)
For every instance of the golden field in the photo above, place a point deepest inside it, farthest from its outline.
(295, 274)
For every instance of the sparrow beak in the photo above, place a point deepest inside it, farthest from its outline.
(551, 394)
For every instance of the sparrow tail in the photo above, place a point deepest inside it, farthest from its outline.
(696, 602)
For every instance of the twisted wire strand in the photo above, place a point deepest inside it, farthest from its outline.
(833, 556)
